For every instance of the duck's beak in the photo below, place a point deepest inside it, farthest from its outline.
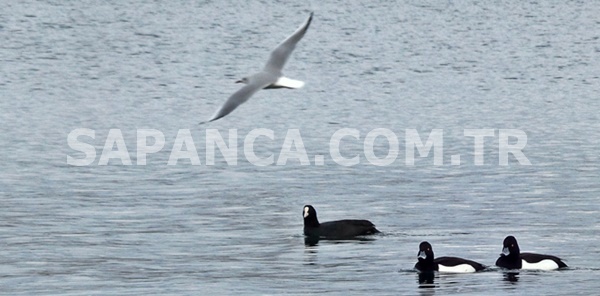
(422, 255)
(505, 251)
(239, 81)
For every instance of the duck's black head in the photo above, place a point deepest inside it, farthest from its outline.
(425, 252)
(510, 247)
(310, 216)
(425, 259)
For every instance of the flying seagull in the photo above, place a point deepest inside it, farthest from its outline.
(270, 76)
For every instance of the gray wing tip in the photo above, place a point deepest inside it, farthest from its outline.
(214, 118)
(210, 120)
(304, 28)
(306, 24)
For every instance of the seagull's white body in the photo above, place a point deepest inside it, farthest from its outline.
(270, 76)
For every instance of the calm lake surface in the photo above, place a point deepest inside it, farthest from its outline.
(226, 229)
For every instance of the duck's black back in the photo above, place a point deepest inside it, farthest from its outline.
(341, 229)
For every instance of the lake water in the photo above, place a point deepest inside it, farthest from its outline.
(407, 67)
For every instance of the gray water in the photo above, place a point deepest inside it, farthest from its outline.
(230, 229)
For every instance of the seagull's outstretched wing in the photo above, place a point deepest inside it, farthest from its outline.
(236, 99)
(239, 97)
(282, 52)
